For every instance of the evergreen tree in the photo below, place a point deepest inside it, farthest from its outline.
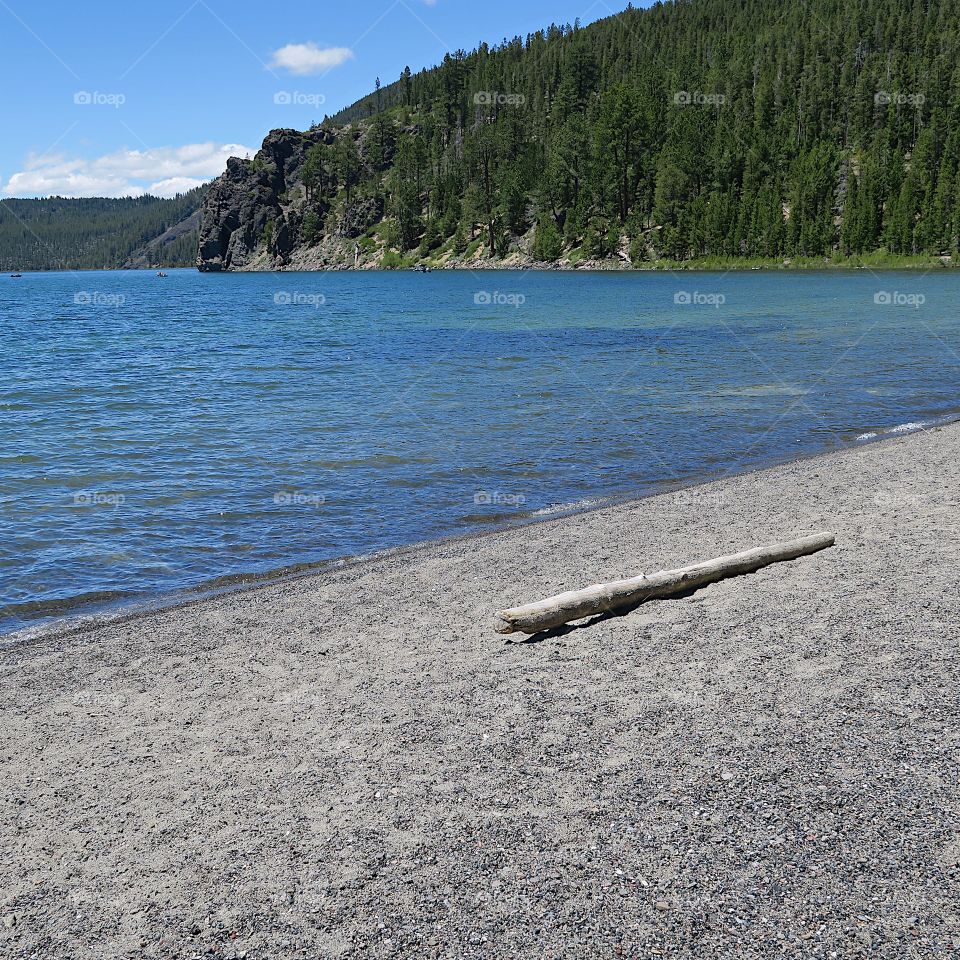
(547, 244)
(691, 129)
(97, 233)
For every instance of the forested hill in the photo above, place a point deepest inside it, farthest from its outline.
(98, 233)
(729, 128)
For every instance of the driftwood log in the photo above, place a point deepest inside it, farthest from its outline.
(610, 597)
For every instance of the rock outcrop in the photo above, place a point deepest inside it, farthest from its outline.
(253, 215)
(248, 218)
(257, 216)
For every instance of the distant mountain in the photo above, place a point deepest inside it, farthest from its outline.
(693, 129)
(96, 233)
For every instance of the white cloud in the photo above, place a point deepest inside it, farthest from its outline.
(161, 171)
(304, 59)
(174, 185)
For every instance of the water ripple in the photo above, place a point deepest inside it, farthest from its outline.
(201, 431)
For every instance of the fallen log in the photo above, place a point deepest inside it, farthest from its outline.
(609, 597)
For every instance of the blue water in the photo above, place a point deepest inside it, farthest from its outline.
(157, 434)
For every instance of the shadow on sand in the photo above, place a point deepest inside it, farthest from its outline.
(556, 632)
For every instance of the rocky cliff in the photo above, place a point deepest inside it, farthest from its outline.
(257, 215)
(253, 217)
(247, 218)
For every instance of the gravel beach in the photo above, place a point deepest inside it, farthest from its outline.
(354, 765)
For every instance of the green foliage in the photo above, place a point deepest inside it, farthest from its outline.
(459, 243)
(392, 260)
(312, 227)
(267, 236)
(346, 164)
(699, 129)
(547, 243)
(432, 239)
(600, 240)
(390, 234)
(404, 191)
(317, 171)
(500, 246)
(97, 233)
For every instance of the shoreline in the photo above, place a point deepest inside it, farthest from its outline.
(909, 264)
(93, 615)
(355, 764)
(338, 254)
(486, 266)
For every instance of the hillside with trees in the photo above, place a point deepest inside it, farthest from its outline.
(690, 130)
(97, 233)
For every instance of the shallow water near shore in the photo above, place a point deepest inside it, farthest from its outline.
(159, 434)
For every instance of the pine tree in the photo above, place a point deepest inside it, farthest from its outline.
(684, 127)
(547, 244)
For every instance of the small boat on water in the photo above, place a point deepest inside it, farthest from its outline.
(162, 274)
(16, 276)
(421, 268)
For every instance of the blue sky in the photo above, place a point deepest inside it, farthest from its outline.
(111, 98)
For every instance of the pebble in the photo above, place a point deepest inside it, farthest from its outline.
(829, 687)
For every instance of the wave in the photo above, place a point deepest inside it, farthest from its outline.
(913, 426)
(909, 427)
(556, 508)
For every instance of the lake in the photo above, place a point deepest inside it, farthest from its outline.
(159, 434)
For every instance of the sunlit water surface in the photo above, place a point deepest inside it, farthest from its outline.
(159, 434)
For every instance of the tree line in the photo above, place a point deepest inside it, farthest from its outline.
(57, 233)
(691, 129)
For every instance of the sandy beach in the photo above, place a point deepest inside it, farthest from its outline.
(355, 765)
